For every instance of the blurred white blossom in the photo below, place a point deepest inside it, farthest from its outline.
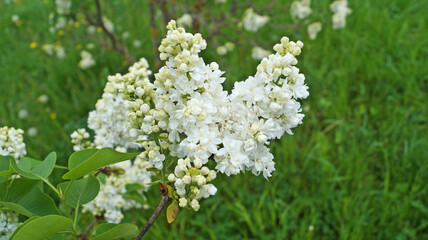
(15, 18)
(63, 6)
(23, 113)
(137, 43)
(259, 53)
(185, 20)
(54, 49)
(43, 98)
(314, 29)
(301, 9)
(252, 21)
(32, 131)
(340, 10)
(87, 60)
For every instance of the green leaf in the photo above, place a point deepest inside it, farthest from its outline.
(29, 196)
(78, 157)
(134, 187)
(41, 228)
(38, 203)
(22, 225)
(136, 197)
(34, 163)
(17, 208)
(4, 162)
(40, 171)
(20, 187)
(103, 157)
(45, 168)
(170, 191)
(57, 237)
(25, 173)
(172, 211)
(5, 174)
(152, 169)
(4, 167)
(104, 227)
(80, 191)
(110, 231)
(153, 183)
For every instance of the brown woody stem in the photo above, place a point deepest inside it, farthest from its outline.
(163, 202)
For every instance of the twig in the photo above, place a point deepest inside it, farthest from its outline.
(332, 125)
(163, 202)
(82, 236)
(198, 8)
(163, 5)
(117, 44)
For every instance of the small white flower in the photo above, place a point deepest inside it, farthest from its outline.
(15, 18)
(182, 202)
(340, 10)
(32, 131)
(252, 21)
(314, 29)
(23, 113)
(301, 9)
(87, 60)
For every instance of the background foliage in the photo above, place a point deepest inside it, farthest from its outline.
(356, 169)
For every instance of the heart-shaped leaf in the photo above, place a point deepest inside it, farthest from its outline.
(80, 191)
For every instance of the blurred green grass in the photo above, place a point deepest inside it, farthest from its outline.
(356, 169)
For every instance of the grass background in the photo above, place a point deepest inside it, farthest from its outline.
(356, 169)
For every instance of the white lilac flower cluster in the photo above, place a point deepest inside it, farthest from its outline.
(109, 118)
(259, 53)
(63, 6)
(110, 201)
(58, 20)
(8, 224)
(12, 142)
(224, 49)
(253, 21)
(191, 182)
(108, 121)
(80, 140)
(54, 50)
(314, 29)
(340, 10)
(185, 113)
(87, 60)
(301, 9)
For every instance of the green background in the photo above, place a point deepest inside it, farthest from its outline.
(356, 169)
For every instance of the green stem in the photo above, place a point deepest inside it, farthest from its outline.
(53, 188)
(61, 167)
(64, 197)
(76, 213)
(9, 185)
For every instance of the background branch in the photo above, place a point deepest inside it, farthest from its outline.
(117, 43)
